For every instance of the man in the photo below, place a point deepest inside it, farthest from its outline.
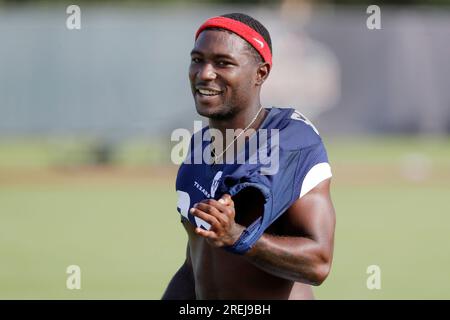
(252, 236)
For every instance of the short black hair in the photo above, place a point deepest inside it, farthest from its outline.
(255, 25)
(252, 23)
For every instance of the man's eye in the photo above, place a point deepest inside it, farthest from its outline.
(223, 63)
(195, 60)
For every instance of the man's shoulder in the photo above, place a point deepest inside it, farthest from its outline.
(296, 130)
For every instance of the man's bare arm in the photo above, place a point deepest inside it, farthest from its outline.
(182, 285)
(304, 252)
(304, 255)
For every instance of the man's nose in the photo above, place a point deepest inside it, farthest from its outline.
(206, 72)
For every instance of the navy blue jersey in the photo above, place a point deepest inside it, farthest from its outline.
(288, 139)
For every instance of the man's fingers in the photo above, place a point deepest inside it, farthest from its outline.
(213, 207)
(211, 219)
(226, 200)
(216, 204)
(205, 233)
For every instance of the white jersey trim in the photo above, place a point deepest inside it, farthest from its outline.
(315, 175)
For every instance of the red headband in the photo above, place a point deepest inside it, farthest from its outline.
(242, 30)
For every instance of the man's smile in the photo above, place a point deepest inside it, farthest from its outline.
(207, 91)
(208, 94)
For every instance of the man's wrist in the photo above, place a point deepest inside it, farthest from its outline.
(239, 229)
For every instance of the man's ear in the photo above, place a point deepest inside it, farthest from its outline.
(262, 73)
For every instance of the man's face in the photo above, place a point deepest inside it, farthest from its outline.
(222, 74)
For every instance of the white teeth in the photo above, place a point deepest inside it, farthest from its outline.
(208, 92)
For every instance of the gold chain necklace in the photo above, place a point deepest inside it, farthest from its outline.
(232, 142)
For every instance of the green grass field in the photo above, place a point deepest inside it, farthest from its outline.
(121, 227)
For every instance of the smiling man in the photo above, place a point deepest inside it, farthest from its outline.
(251, 235)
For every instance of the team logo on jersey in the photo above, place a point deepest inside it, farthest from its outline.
(215, 183)
(201, 189)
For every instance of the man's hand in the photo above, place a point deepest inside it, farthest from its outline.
(220, 215)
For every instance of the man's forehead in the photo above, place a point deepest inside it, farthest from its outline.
(219, 42)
